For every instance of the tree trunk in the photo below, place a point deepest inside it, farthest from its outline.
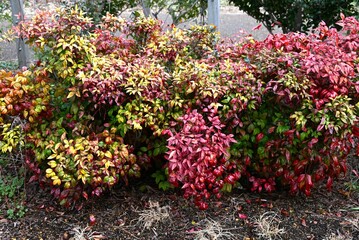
(298, 18)
(17, 9)
(146, 8)
(213, 12)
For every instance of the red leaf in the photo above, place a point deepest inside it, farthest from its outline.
(284, 212)
(257, 27)
(85, 195)
(242, 216)
(357, 87)
(259, 137)
(308, 180)
(329, 183)
(289, 132)
(287, 155)
(33, 178)
(92, 220)
(271, 129)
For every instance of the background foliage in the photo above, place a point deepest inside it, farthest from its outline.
(297, 15)
(179, 10)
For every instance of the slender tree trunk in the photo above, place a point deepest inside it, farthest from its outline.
(298, 18)
(17, 9)
(146, 7)
(213, 12)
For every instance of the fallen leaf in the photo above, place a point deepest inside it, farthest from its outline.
(304, 222)
(284, 212)
(242, 216)
(4, 220)
(345, 223)
(344, 193)
(338, 214)
(95, 237)
(92, 220)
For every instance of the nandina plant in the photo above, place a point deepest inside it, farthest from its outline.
(198, 156)
(109, 95)
(106, 100)
(303, 130)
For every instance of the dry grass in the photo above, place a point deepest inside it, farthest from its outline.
(354, 223)
(212, 230)
(267, 226)
(153, 215)
(339, 236)
(85, 234)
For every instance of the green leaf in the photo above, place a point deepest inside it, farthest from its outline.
(261, 151)
(164, 185)
(74, 108)
(143, 149)
(156, 151)
(59, 122)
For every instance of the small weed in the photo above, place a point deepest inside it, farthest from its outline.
(12, 195)
(8, 65)
(12, 171)
(267, 226)
(10, 186)
(17, 211)
(353, 174)
(153, 215)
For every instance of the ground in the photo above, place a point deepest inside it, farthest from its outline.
(128, 213)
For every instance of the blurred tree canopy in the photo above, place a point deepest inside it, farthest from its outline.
(297, 15)
(179, 10)
(5, 13)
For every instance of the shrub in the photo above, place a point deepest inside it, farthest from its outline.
(305, 127)
(105, 101)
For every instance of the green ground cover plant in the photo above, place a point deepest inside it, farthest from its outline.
(105, 102)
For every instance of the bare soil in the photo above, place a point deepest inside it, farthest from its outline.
(128, 213)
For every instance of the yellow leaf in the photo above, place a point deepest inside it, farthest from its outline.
(63, 136)
(79, 147)
(107, 164)
(71, 94)
(52, 163)
(72, 150)
(137, 126)
(67, 185)
(56, 182)
(52, 156)
(108, 154)
(57, 146)
(54, 177)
